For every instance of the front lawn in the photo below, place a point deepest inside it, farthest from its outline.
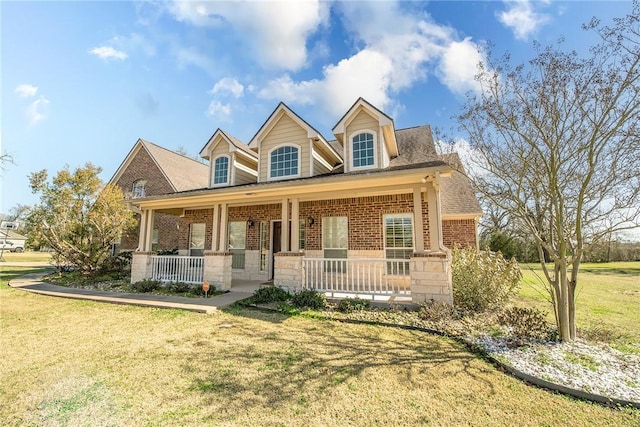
(67, 362)
(607, 303)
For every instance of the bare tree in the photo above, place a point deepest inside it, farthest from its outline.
(558, 148)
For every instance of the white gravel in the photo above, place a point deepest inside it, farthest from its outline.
(597, 369)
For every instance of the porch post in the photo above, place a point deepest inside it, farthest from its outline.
(284, 230)
(146, 231)
(435, 215)
(142, 231)
(417, 219)
(223, 240)
(295, 225)
(215, 225)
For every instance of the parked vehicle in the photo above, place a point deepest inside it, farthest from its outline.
(12, 246)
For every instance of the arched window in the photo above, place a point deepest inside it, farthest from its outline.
(363, 150)
(284, 162)
(221, 170)
(138, 188)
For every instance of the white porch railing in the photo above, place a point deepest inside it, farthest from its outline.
(170, 268)
(373, 276)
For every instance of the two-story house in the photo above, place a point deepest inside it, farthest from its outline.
(370, 212)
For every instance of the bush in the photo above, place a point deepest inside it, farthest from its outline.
(349, 305)
(146, 285)
(178, 287)
(436, 310)
(483, 280)
(309, 299)
(526, 323)
(270, 294)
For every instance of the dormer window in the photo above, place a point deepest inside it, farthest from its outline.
(138, 189)
(363, 149)
(221, 171)
(284, 162)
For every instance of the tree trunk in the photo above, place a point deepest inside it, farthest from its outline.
(564, 320)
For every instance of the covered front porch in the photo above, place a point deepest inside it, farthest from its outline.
(359, 237)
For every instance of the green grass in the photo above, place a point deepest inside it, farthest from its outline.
(26, 257)
(607, 299)
(66, 362)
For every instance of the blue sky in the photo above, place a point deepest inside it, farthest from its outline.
(82, 81)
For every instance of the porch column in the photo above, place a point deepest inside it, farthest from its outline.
(284, 230)
(435, 214)
(215, 225)
(223, 240)
(295, 226)
(146, 231)
(417, 220)
(142, 231)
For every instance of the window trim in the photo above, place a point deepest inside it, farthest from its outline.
(403, 268)
(375, 150)
(213, 171)
(299, 159)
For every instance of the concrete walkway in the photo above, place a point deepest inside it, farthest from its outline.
(239, 291)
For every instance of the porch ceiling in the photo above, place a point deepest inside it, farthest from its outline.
(316, 188)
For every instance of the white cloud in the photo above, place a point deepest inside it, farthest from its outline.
(37, 110)
(107, 52)
(26, 90)
(228, 85)
(219, 110)
(521, 18)
(399, 49)
(458, 66)
(275, 31)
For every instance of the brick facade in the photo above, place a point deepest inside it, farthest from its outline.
(142, 167)
(459, 232)
(365, 222)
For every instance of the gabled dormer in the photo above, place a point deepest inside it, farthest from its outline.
(288, 147)
(231, 162)
(367, 136)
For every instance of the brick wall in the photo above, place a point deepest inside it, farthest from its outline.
(364, 221)
(143, 167)
(459, 232)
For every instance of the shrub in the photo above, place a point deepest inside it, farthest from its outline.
(349, 305)
(436, 310)
(178, 287)
(526, 323)
(146, 285)
(309, 299)
(270, 294)
(483, 280)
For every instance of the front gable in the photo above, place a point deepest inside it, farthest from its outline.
(140, 168)
(231, 162)
(367, 136)
(288, 147)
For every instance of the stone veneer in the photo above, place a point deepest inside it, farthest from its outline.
(217, 269)
(288, 270)
(140, 266)
(431, 277)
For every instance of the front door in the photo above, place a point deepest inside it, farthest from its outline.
(276, 242)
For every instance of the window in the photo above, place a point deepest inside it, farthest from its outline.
(362, 150)
(138, 189)
(284, 162)
(154, 240)
(196, 239)
(302, 235)
(237, 243)
(264, 246)
(398, 241)
(221, 171)
(335, 242)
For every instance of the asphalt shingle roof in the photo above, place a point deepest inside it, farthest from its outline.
(181, 171)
